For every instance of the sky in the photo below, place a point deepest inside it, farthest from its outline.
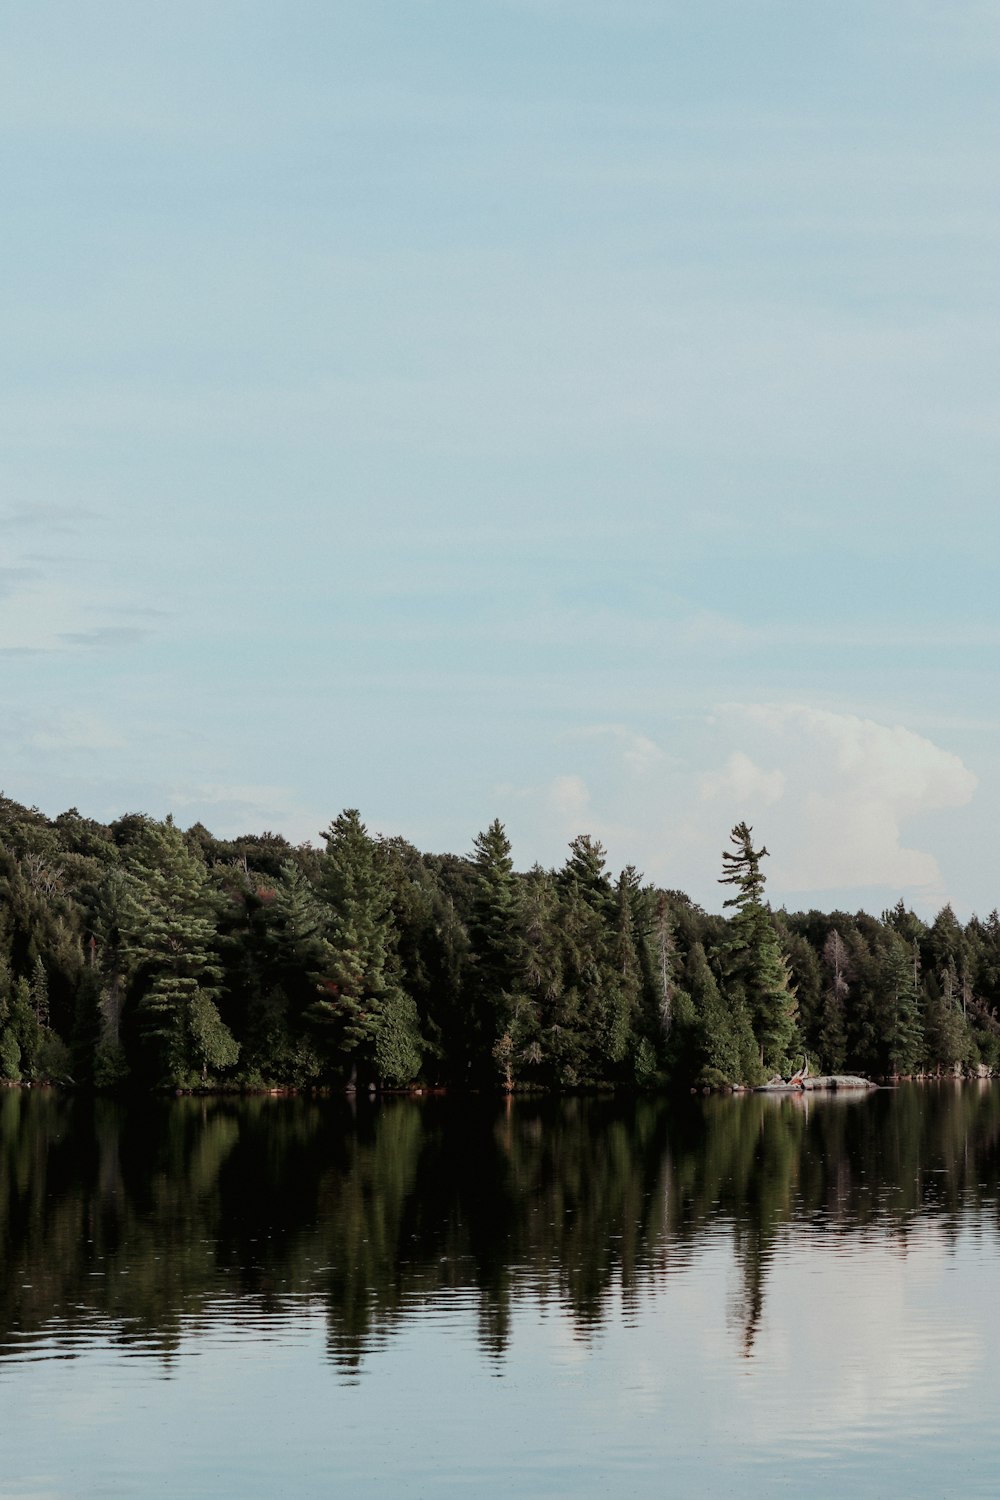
(579, 412)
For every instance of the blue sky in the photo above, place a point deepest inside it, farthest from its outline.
(579, 413)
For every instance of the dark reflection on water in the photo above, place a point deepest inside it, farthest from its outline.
(145, 1223)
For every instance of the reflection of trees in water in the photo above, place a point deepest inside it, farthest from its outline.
(792, 1166)
(149, 1219)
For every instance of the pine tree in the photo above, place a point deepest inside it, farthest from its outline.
(901, 981)
(594, 1032)
(724, 1046)
(832, 1032)
(99, 1053)
(10, 1047)
(277, 960)
(885, 1033)
(170, 936)
(536, 1033)
(944, 1033)
(496, 937)
(585, 874)
(40, 993)
(665, 947)
(366, 1016)
(628, 1020)
(25, 1030)
(754, 959)
(433, 952)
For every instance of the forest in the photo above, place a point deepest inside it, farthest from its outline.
(137, 954)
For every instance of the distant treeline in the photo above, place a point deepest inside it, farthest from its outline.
(135, 951)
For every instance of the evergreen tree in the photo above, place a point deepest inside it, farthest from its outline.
(10, 1047)
(946, 1040)
(26, 1033)
(369, 1021)
(171, 937)
(276, 956)
(665, 948)
(594, 1029)
(536, 1039)
(40, 993)
(99, 1053)
(585, 874)
(496, 938)
(753, 956)
(724, 1046)
(832, 1037)
(629, 977)
(885, 1032)
(900, 980)
(433, 951)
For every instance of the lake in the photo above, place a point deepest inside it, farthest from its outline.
(435, 1296)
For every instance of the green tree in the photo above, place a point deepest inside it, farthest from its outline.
(369, 1022)
(593, 1034)
(433, 953)
(884, 1023)
(25, 1029)
(495, 934)
(832, 1037)
(723, 1047)
(645, 959)
(10, 1047)
(117, 914)
(274, 956)
(753, 956)
(536, 1031)
(901, 981)
(171, 938)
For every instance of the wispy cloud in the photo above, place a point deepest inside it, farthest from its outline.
(75, 731)
(234, 808)
(639, 753)
(45, 517)
(11, 579)
(105, 637)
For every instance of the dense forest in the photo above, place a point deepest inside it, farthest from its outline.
(137, 953)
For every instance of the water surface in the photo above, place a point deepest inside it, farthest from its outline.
(565, 1298)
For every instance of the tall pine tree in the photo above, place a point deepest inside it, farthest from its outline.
(370, 1023)
(754, 960)
(172, 940)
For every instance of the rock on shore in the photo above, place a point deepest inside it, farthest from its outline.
(825, 1083)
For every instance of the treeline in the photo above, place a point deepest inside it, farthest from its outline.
(135, 951)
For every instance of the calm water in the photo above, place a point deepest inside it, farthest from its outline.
(426, 1297)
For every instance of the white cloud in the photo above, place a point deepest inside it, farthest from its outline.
(847, 786)
(639, 753)
(742, 779)
(569, 798)
(838, 799)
